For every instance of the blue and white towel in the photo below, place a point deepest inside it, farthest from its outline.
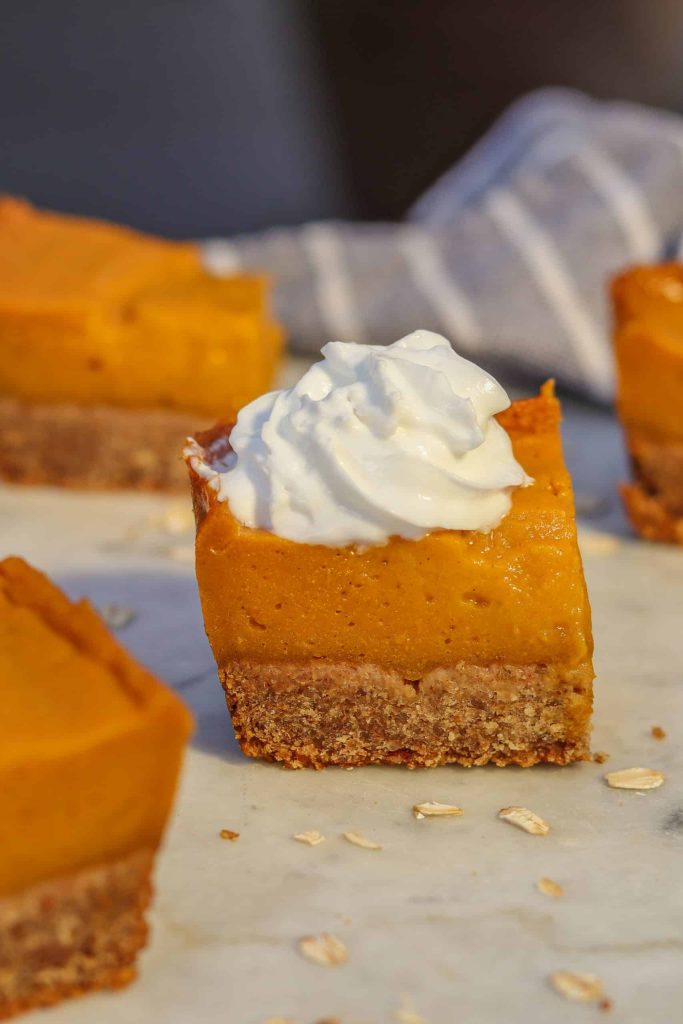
(508, 255)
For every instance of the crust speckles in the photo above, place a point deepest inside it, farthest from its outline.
(654, 503)
(73, 935)
(96, 447)
(342, 714)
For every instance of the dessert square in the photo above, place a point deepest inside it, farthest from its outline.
(115, 345)
(648, 307)
(461, 646)
(91, 750)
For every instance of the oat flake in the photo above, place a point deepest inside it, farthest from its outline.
(326, 950)
(433, 809)
(117, 616)
(635, 778)
(577, 986)
(311, 838)
(358, 840)
(549, 888)
(522, 817)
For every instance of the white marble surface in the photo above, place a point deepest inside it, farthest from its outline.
(447, 912)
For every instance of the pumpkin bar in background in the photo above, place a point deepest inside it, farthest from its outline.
(648, 308)
(91, 748)
(389, 573)
(114, 345)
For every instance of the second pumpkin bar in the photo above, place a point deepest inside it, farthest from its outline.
(114, 345)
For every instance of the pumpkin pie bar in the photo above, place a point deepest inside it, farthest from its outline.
(114, 346)
(90, 753)
(388, 567)
(648, 307)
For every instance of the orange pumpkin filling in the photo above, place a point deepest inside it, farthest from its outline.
(92, 313)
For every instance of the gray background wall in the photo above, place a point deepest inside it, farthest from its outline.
(196, 117)
(185, 116)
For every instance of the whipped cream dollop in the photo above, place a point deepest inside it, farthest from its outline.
(373, 442)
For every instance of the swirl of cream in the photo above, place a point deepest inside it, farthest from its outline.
(374, 442)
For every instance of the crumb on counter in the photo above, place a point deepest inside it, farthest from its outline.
(549, 888)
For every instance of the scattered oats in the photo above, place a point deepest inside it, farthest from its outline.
(312, 837)
(593, 542)
(358, 840)
(635, 778)
(657, 733)
(326, 950)
(280, 1020)
(549, 888)
(433, 809)
(132, 532)
(605, 1005)
(525, 819)
(590, 506)
(600, 756)
(117, 616)
(227, 833)
(181, 552)
(406, 1013)
(329, 1020)
(582, 988)
(176, 518)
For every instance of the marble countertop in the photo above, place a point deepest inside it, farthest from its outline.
(446, 918)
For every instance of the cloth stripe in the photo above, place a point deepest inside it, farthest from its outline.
(542, 257)
(429, 273)
(517, 136)
(623, 200)
(508, 254)
(332, 283)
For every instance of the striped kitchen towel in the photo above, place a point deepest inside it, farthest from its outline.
(509, 253)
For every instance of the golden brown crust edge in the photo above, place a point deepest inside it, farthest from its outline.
(650, 517)
(93, 447)
(74, 934)
(654, 502)
(349, 715)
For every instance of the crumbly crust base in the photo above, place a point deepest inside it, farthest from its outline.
(96, 447)
(74, 934)
(318, 714)
(654, 503)
(650, 517)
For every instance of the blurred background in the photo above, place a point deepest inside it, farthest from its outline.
(200, 117)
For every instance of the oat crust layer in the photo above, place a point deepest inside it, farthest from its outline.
(74, 934)
(654, 503)
(95, 447)
(313, 715)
